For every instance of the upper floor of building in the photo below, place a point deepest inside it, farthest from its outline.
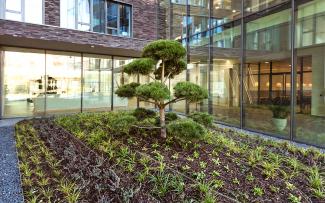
(124, 24)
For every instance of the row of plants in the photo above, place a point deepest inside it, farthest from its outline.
(41, 175)
(208, 157)
(110, 138)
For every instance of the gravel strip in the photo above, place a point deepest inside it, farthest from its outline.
(10, 188)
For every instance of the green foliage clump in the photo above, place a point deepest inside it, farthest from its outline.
(164, 50)
(202, 118)
(154, 90)
(121, 124)
(279, 111)
(142, 113)
(169, 117)
(186, 128)
(191, 92)
(140, 66)
(172, 68)
(127, 90)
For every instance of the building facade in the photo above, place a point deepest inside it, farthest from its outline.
(60, 56)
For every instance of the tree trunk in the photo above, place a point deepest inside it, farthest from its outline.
(163, 133)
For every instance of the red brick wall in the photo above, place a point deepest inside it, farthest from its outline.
(52, 33)
(144, 17)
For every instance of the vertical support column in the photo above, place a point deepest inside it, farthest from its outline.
(242, 66)
(210, 59)
(45, 83)
(112, 83)
(271, 81)
(259, 84)
(187, 107)
(301, 86)
(82, 82)
(138, 81)
(293, 72)
(1, 83)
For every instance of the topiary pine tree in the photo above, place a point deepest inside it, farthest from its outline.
(164, 60)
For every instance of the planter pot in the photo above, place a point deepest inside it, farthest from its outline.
(280, 123)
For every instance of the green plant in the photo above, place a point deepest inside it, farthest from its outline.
(280, 111)
(202, 118)
(294, 199)
(250, 177)
(165, 182)
(142, 113)
(257, 191)
(186, 128)
(168, 56)
(122, 123)
(315, 179)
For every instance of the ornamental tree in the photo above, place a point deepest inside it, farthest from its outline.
(161, 60)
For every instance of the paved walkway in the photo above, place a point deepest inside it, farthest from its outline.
(10, 188)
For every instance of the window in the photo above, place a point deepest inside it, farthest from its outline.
(97, 15)
(30, 11)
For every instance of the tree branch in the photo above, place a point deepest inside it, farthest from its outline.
(167, 77)
(145, 100)
(174, 100)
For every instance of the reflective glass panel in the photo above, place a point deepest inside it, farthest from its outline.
(34, 11)
(119, 79)
(98, 20)
(268, 72)
(97, 87)
(68, 14)
(125, 20)
(84, 15)
(63, 82)
(310, 70)
(24, 83)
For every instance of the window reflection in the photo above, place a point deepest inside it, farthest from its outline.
(24, 90)
(121, 78)
(91, 15)
(97, 86)
(63, 82)
(30, 11)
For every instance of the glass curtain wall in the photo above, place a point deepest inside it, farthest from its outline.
(52, 82)
(267, 70)
(23, 87)
(261, 60)
(310, 71)
(97, 83)
(121, 78)
(63, 82)
(197, 49)
(225, 61)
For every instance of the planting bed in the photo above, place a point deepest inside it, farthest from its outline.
(104, 159)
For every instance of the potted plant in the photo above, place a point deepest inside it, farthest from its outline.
(280, 109)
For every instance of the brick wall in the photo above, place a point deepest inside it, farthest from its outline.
(52, 33)
(52, 12)
(144, 17)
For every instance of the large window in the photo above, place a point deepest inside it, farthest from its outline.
(45, 82)
(97, 15)
(30, 11)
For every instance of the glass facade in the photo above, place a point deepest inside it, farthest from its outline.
(30, 11)
(101, 16)
(262, 62)
(45, 82)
